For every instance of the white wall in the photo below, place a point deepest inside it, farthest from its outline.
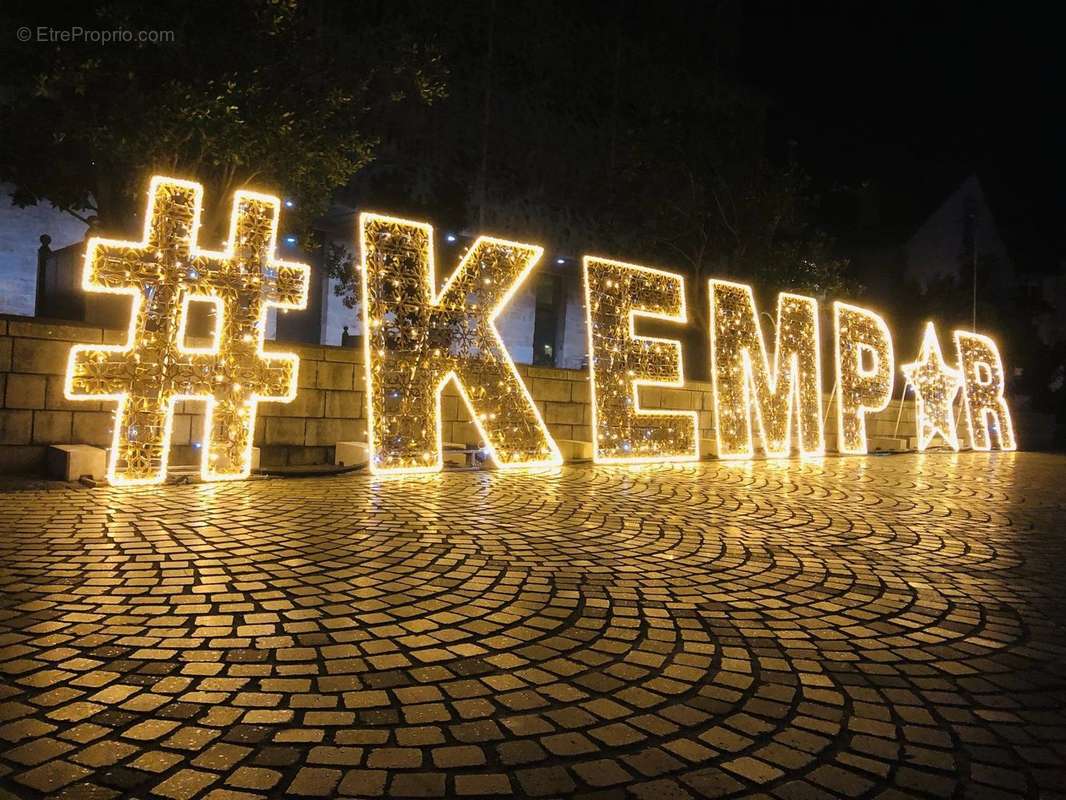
(575, 335)
(515, 323)
(20, 232)
(335, 315)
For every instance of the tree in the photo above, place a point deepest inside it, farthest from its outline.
(612, 131)
(617, 130)
(290, 97)
(621, 131)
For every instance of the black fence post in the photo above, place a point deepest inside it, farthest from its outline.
(44, 254)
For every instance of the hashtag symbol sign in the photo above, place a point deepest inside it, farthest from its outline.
(156, 367)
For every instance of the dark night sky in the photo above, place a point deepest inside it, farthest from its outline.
(916, 96)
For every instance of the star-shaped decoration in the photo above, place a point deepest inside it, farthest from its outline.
(935, 386)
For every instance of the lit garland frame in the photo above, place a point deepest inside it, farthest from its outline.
(935, 386)
(733, 414)
(166, 271)
(981, 370)
(531, 444)
(860, 391)
(227, 370)
(637, 291)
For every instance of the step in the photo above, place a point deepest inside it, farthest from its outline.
(357, 454)
(69, 462)
(459, 455)
(351, 454)
(886, 443)
(574, 450)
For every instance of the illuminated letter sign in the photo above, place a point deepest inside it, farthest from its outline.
(982, 391)
(935, 386)
(417, 339)
(621, 362)
(860, 334)
(154, 368)
(743, 383)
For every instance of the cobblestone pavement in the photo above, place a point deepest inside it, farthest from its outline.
(860, 627)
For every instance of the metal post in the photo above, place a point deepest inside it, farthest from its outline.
(44, 254)
(899, 416)
(974, 319)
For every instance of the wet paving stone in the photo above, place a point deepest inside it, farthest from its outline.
(844, 628)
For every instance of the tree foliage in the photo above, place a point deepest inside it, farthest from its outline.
(616, 129)
(287, 96)
(619, 129)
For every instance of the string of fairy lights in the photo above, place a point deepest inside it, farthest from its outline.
(744, 385)
(935, 388)
(864, 372)
(987, 414)
(155, 368)
(419, 338)
(620, 362)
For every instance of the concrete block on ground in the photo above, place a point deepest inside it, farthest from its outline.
(874, 443)
(351, 454)
(455, 455)
(574, 450)
(68, 462)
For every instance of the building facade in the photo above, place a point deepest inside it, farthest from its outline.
(21, 230)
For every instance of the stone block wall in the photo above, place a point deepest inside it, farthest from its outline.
(34, 414)
(330, 406)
